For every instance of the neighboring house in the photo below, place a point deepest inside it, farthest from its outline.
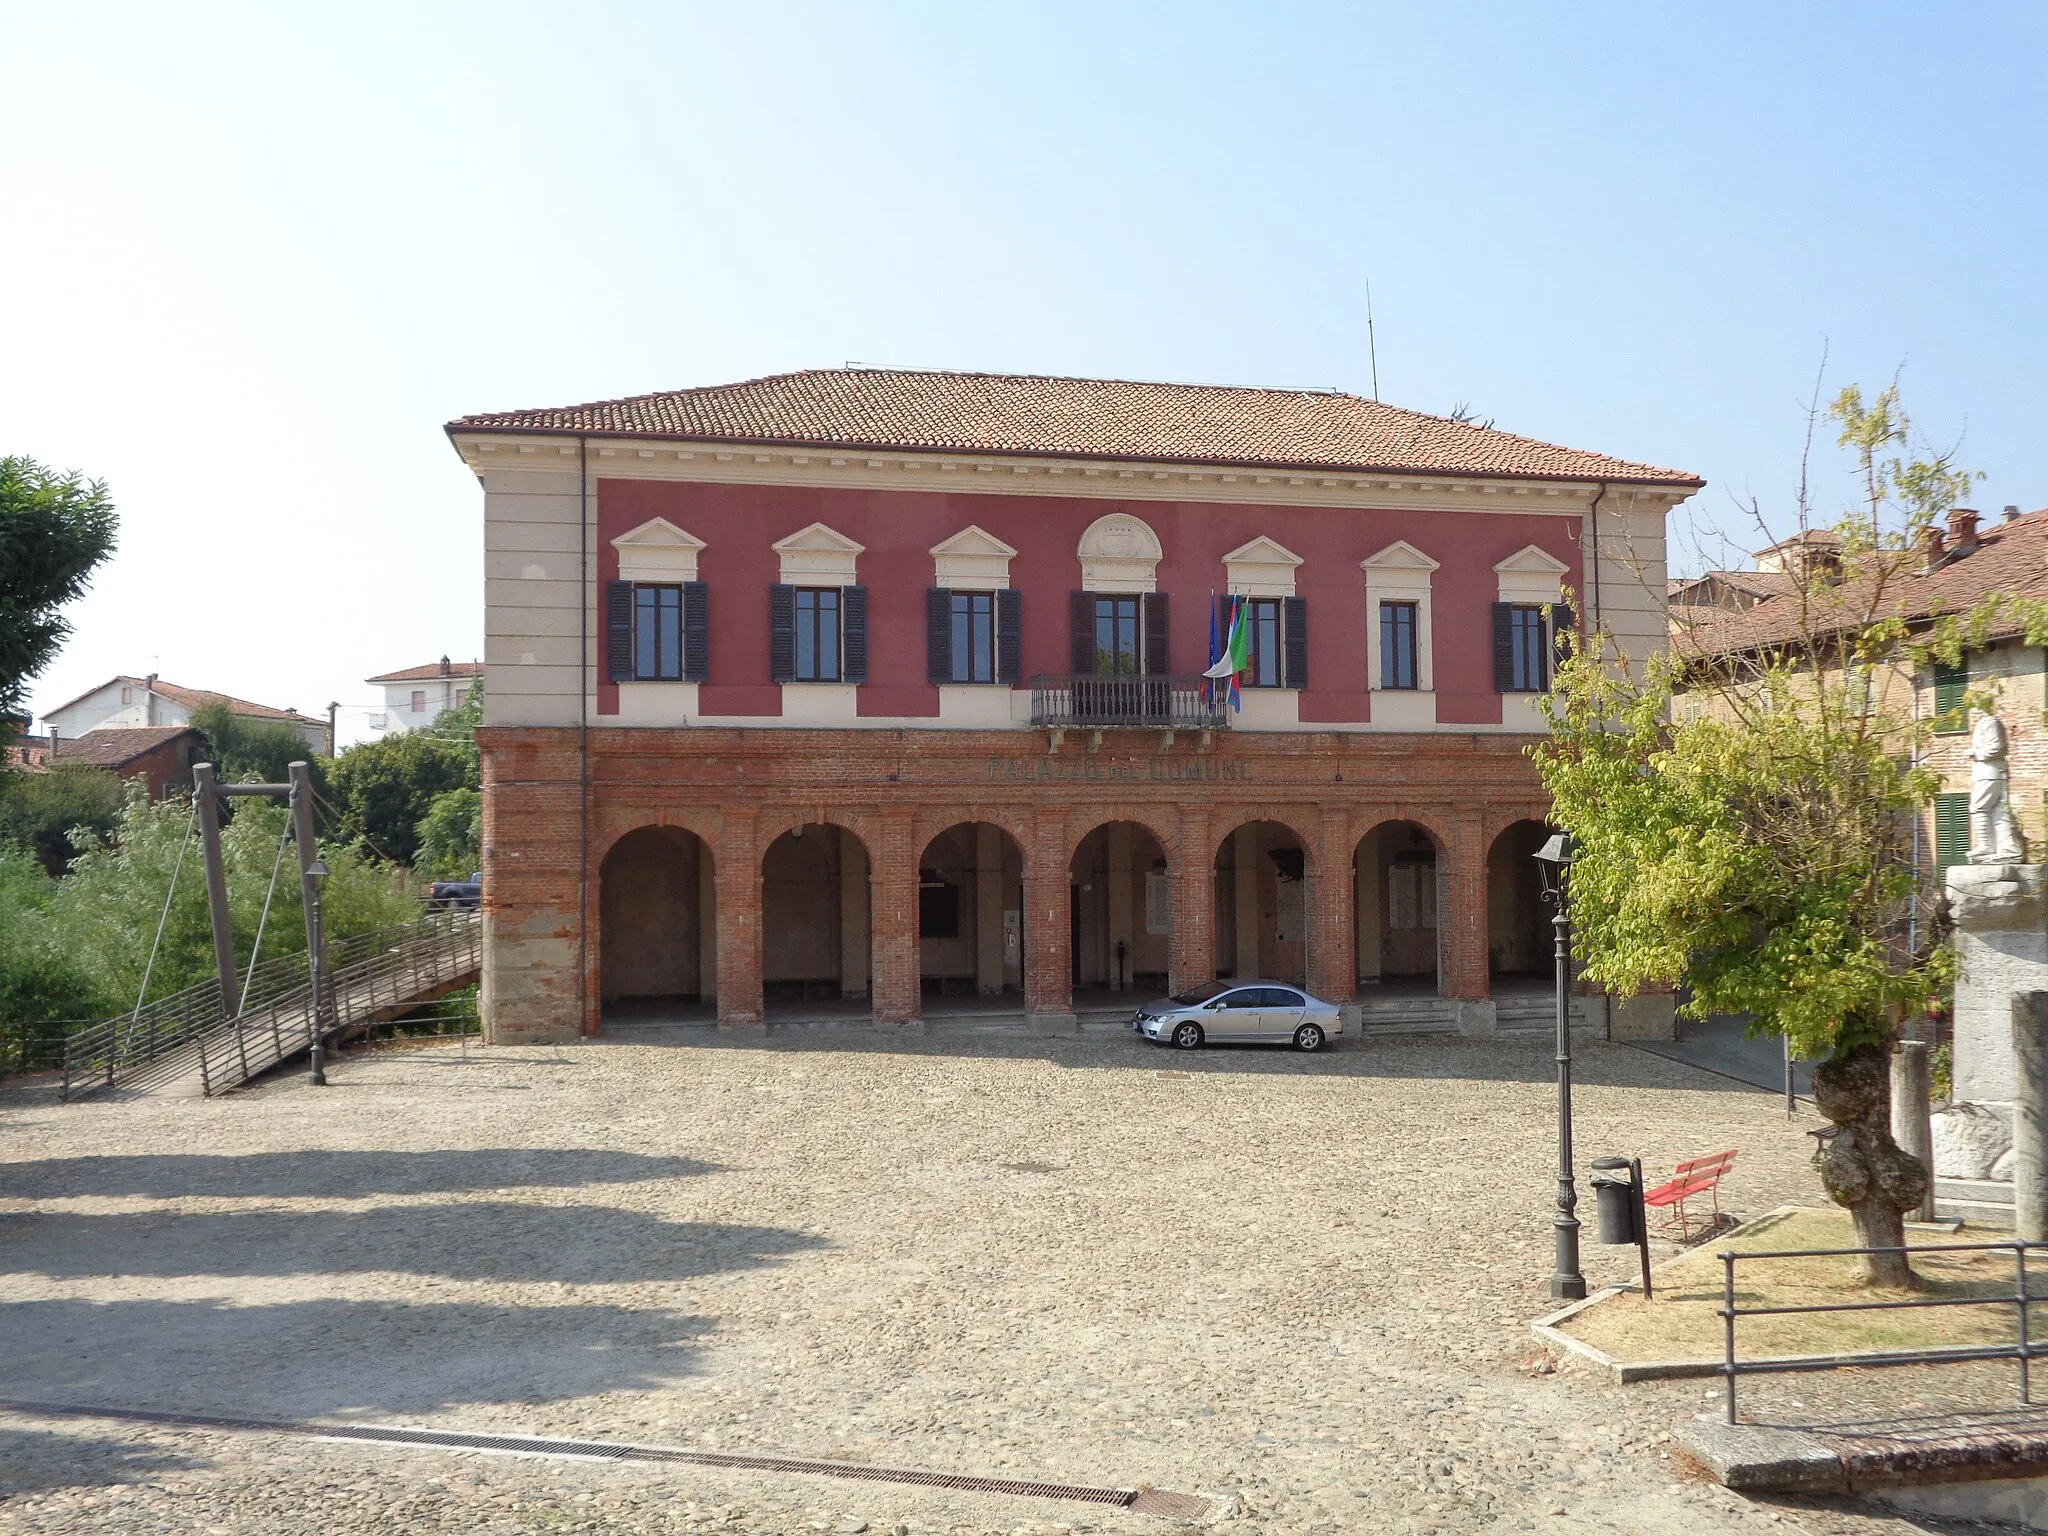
(161, 755)
(1958, 566)
(876, 684)
(416, 696)
(150, 701)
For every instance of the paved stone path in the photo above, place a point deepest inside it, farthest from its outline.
(1298, 1286)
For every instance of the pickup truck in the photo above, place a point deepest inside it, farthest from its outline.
(457, 895)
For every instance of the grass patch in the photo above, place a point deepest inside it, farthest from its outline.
(1682, 1323)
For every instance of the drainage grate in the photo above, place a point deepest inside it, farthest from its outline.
(1147, 1501)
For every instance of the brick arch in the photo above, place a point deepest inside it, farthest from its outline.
(929, 824)
(1368, 822)
(1278, 819)
(864, 825)
(1169, 841)
(614, 825)
(1498, 822)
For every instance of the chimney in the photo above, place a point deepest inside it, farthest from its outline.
(1933, 546)
(446, 670)
(1962, 531)
(2012, 513)
(149, 699)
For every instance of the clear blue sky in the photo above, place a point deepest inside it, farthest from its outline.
(254, 257)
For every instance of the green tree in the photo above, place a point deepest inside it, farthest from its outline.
(40, 812)
(1743, 819)
(247, 751)
(384, 788)
(450, 835)
(54, 530)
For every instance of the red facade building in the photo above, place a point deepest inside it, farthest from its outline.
(865, 689)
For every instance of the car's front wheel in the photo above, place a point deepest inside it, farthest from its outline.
(1187, 1036)
(1310, 1037)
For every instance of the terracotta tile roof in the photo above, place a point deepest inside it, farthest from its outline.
(194, 698)
(2011, 558)
(116, 746)
(430, 671)
(893, 410)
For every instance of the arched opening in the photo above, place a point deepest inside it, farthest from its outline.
(1262, 904)
(1518, 935)
(970, 913)
(1121, 909)
(657, 925)
(815, 944)
(1396, 874)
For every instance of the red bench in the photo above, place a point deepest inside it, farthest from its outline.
(1699, 1176)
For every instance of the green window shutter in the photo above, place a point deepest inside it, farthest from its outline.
(1950, 684)
(1951, 829)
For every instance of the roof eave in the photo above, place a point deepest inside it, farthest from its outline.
(1676, 482)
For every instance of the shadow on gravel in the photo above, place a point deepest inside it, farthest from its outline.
(575, 1245)
(331, 1358)
(1518, 1056)
(32, 1459)
(312, 1174)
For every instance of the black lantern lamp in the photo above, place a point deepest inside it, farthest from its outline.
(1553, 864)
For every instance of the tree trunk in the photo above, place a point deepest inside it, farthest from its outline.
(1862, 1168)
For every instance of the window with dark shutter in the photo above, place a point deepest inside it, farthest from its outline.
(1009, 636)
(1158, 655)
(618, 619)
(1951, 684)
(1397, 645)
(972, 638)
(938, 635)
(1081, 612)
(854, 633)
(696, 632)
(1563, 623)
(782, 633)
(1294, 620)
(1503, 647)
(1521, 648)
(1951, 829)
(657, 633)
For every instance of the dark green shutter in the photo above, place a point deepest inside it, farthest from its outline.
(618, 617)
(782, 633)
(1009, 635)
(938, 635)
(1950, 684)
(1951, 829)
(696, 632)
(1294, 626)
(853, 634)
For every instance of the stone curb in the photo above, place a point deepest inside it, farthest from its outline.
(1627, 1372)
(1755, 1458)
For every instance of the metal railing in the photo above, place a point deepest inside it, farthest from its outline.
(2022, 1351)
(187, 1033)
(1087, 701)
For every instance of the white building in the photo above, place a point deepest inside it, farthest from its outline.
(150, 701)
(414, 696)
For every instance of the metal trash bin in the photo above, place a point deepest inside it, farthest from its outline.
(1616, 1198)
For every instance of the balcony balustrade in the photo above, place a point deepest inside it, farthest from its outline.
(1090, 702)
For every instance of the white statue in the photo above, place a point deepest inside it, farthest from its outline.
(1994, 834)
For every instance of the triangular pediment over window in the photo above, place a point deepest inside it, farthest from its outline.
(1399, 556)
(972, 558)
(1262, 551)
(657, 551)
(818, 555)
(1531, 561)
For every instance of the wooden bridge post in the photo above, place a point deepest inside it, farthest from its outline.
(206, 790)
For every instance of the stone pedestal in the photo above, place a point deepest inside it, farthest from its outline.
(1646, 1016)
(2001, 938)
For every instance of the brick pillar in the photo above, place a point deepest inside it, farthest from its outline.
(737, 869)
(1332, 926)
(893, 903)
(1048, 951)
(1194, 903)
(1463, 918)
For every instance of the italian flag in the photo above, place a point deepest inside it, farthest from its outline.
(1235, 654)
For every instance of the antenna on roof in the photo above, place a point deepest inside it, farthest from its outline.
(1372, 345)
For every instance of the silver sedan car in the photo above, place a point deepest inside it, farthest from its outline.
(1258, 1012)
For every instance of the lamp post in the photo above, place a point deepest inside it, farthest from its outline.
(316, 932)
(1553, 862)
